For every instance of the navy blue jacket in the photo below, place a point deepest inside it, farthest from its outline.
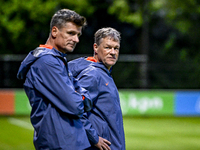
(56, 101)
(105, 118)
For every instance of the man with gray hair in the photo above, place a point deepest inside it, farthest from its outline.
(104, 123)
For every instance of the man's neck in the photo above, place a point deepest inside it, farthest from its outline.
(96, 57)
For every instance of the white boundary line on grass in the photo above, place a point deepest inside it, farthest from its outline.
(20, 123)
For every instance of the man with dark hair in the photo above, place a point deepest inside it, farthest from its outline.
(57, 100)
(104, 123)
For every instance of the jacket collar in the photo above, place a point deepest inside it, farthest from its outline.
(102, 66)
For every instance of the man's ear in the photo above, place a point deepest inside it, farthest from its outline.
(95, 47)
(54, 31)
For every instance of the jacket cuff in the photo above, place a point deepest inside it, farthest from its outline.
(94, 140)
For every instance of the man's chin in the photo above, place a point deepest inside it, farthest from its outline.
(111, 64)
(70, 50)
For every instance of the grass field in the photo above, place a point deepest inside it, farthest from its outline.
(150, 133)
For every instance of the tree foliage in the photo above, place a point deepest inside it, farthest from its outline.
(126, 11)
(166, 30)
(24, 22)
(173, 36)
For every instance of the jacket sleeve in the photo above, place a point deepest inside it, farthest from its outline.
(90, 83)
(90, 131)
(50, 77)
(85, 94)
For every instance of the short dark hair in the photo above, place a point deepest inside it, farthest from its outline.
(62, 16)
(106, 32)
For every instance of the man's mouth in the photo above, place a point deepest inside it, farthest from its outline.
(114, 58)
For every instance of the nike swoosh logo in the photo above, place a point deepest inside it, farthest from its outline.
(107, 83)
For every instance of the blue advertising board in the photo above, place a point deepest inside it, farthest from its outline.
(187, 103)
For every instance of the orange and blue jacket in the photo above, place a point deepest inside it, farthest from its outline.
(56, 100)
(105, 118)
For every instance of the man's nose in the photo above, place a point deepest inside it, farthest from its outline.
(113, 51)
(76, 38)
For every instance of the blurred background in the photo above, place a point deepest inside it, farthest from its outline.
(157, 74)
(159, 46)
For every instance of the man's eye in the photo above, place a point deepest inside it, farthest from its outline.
(71, 33)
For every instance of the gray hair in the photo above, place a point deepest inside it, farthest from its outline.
(62, 16)
(106, 32)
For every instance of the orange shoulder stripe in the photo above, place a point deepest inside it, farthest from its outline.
(91, 59)
(46, 46)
